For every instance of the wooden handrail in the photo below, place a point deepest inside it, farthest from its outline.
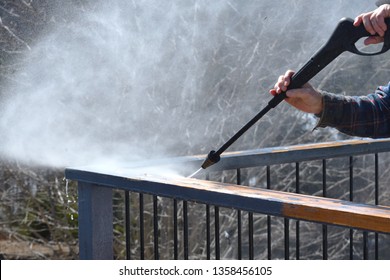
(269, 202)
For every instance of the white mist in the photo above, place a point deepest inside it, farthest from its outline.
(134, 80)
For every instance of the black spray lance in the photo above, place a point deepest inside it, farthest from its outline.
(343, 39)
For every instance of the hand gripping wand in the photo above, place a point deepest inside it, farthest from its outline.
(343, 38)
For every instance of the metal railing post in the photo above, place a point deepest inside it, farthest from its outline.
(95, 222)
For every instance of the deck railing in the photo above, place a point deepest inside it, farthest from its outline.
(367, 219)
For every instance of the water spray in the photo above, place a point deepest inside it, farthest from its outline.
(343, 38)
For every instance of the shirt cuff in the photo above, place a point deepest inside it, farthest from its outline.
(332, 109)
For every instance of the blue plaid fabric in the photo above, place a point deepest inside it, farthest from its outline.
(364, 116)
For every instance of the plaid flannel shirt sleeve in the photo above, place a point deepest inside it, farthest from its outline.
(363, 116)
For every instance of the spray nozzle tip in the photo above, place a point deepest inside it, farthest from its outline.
(211, 159)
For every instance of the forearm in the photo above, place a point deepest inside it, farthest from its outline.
(364, 116)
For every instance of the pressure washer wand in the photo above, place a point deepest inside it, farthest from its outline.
(342, 39)
(214, 156)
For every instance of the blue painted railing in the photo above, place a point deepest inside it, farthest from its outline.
(96, 216)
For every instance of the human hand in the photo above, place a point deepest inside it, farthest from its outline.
(306, 99)
(374, 22)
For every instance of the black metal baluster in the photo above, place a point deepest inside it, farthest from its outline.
(141, 226)
(216, 225)
(376, 202)
(250, 233)
(155, 227)
(324, 227)
(127, 225)
(297, 190)
(351, 199)
(239, 222)
(269, 236)
(286, 239)
(208, 232)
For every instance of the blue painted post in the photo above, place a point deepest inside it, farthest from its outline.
(95, 222)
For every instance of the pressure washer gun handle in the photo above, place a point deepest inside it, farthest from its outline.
(343, 39)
